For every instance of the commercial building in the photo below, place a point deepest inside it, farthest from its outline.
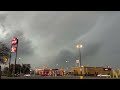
(50, 72)
(91, 71)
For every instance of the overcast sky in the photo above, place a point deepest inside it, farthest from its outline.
(50, 37)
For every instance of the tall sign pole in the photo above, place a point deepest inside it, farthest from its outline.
(14, 47)
(10, 60)
(0, 72)
(16, 54)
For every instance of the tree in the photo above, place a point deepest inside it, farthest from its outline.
(6, 69)
(18, 68)
(4, 53)
(25, 69)
(11, 68)
(28, 68)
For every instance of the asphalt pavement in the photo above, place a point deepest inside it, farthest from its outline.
(57, 77)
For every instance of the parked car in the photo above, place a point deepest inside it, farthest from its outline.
(17, 75)
(27, 75)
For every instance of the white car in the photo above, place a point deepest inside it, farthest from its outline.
(27, 75)
(103, 75)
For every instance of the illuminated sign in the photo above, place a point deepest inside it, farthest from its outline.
(13, 49)
(14, 41)
(77, 61)
(106, 69)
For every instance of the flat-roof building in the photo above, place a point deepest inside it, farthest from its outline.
(94, 71)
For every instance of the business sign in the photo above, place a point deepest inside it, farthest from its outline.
(77, 61)
(14, 41)
(13, 49)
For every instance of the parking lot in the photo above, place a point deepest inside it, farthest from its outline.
(58, 77)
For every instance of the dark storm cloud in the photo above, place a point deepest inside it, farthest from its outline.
(106, 36)
(62, 28)
(8, 33)
(63, 56)
(110, 52)
(55, 34)
(2, 17)
(25, 47)
(67, 55)
(91, 49)
(101, 42)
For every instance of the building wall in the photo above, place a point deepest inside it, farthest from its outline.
(91, 70)
(78, 70)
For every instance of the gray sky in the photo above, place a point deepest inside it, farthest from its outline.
(50, 37)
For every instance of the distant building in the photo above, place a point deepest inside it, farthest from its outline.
(91, 71)
(49, 72)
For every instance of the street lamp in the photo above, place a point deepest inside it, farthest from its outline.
(79, 46)
(67, 61)
(19, 60)
(34, 70)
(57, 65)
(67, 64)
(20, 65)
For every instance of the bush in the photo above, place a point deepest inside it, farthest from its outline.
(10, 75)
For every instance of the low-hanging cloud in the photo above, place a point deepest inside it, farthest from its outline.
(25, 47)
(52, 36)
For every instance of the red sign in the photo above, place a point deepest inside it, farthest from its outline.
(14, 41)
(13, 49)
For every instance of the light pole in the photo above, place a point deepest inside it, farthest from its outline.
(34, 70)
(20, 65)
(57, 65)
(19, 60)
(67, 64)
(16, 55)
(10, 59)
(79, 46)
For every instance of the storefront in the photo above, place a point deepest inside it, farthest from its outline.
(91, 71)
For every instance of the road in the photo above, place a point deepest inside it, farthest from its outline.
(58, 77)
